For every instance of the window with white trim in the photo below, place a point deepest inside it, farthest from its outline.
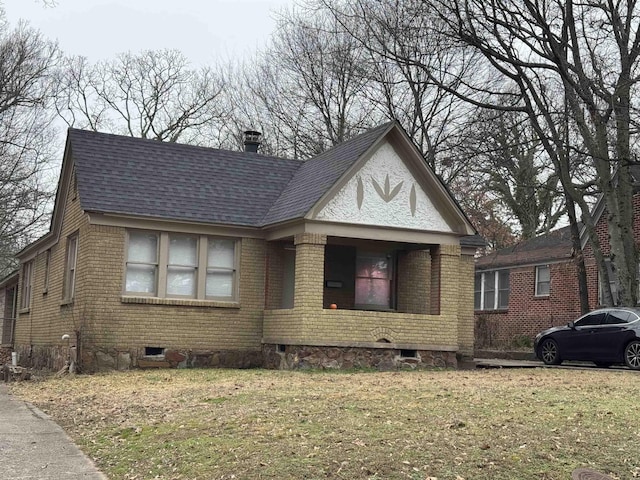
(491, 291)
(27, 284)
(543, 281)
(170, 265)
(69, 285)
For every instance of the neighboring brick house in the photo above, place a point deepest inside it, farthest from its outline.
(168, 254)
(526, 288)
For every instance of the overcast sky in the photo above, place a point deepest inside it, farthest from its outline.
(206, 31)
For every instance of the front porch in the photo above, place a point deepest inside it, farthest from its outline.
(386, 301)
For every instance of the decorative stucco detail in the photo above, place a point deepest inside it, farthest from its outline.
(384, 193)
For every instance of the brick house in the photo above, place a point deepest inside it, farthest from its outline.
(524, 289)
(161, 254)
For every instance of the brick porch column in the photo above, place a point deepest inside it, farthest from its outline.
(414, 282)
(309, 286)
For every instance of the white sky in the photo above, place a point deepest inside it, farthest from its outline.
(206, 31)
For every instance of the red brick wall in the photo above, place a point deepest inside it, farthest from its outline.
(527, 314)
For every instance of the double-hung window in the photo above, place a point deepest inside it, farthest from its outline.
(161, 264)
(543, 281)
(182, 267)
(142, 263)
(70, 268)
(491, 290)
(27, 285)
(221, 271)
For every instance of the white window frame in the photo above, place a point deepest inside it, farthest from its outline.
(70, 267)
(155, 264)
(538, 281)
(201, 268)
(496, 288)
(27, 285)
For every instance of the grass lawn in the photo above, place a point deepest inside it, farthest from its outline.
(251, 424)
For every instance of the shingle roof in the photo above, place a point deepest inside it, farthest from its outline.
(317, 175)
(132, 176)
(555, 245)
(118, 174)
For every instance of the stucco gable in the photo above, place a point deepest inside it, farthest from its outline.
(388, 190)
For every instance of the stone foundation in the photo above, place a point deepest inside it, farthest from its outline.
(295, 357)
(5, 355)
(99, 360)
(283, 357)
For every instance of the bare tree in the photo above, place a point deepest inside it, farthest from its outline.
(153, 94)
(544, 59)
(26, 67)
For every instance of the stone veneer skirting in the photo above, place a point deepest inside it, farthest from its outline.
(297, 357)
(272, 356)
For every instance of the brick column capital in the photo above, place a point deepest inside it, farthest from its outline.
(310, 238)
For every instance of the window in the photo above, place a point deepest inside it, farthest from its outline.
(591, 319)
(27, 283)
(70, 268)
(180, 266)
(491, 291)
(220, 268)
(373, 280)
(142, 263)
(543, 281)
(613, 283)
(47, 263)
(620, 316)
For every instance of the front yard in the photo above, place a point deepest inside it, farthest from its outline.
(249, 424)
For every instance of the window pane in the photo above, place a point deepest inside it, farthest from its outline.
(220, 253)
(373, 266)
(620, 316)
(592, 319)
(142, 247)
(181, 281)
(489, 290)
(219, 284)
(183, 250)
(141, 278)
(543, 274)
(373, 291)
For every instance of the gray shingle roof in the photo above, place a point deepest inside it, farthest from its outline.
(316, 176)
(555, 245)
(118, 174)
(132, 176)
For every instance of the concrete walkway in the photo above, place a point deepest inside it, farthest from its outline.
(33, 447)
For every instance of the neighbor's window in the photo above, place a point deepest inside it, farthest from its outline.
(613, 283)
(70, 267)
(373, 280)
(142, 263)
(543, 281)
(491, 291)
(178, 265)
(27, 283)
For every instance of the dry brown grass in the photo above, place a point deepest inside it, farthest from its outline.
(222, 424)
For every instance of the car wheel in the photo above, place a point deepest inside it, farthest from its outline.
(632, 355)
(549, 352)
